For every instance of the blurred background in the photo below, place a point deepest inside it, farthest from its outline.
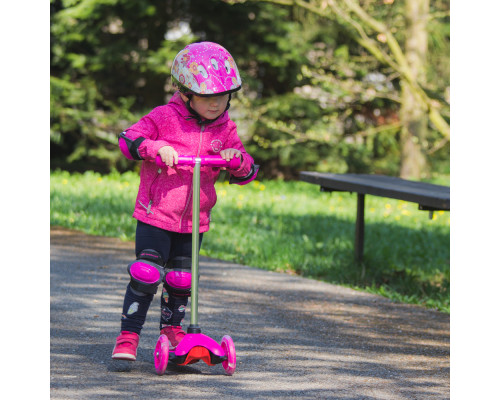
(328, 85)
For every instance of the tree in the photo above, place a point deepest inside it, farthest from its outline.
(413, 115)
(108, 64)
(322, 86)
(379, 40)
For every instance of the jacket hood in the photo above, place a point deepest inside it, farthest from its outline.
(178, 104)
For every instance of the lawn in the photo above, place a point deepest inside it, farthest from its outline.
(290, 227)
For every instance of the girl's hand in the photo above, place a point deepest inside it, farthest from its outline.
(228, 154)
(168, 155)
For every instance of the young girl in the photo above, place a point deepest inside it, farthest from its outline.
(194, 122)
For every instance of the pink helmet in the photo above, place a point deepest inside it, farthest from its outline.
(205, 69)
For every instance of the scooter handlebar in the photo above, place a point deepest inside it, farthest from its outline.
(211, 161)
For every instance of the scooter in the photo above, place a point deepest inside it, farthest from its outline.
(196, 346)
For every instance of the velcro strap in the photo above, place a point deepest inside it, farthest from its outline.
(179, 263)
(151, 255)
(127, 338)
(133, 145)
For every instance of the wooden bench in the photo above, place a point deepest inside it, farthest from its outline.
(428, 196)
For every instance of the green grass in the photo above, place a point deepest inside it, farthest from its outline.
(290, 227)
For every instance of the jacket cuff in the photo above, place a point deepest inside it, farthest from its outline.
(243, 180)
(243, 168)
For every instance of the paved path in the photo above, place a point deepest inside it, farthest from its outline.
(295, 338)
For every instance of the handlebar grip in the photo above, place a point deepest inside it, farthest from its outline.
(212, 161)
(234, 163)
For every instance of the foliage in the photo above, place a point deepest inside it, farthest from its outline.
(108, 63)
(289, 227)
(354, 75)
(313, 98)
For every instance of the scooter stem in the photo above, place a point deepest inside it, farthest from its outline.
(195, 249)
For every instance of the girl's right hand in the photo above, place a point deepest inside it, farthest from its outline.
(168, 155)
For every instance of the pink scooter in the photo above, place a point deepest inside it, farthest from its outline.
(196, 346)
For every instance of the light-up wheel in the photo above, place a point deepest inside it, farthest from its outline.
(228, 347)
(161, 354)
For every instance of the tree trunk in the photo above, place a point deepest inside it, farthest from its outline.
(413, 116)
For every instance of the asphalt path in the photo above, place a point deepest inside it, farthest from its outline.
(295, 338)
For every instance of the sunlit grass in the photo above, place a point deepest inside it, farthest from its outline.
(290, 227)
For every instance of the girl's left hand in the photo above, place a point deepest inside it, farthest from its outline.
(228, 154)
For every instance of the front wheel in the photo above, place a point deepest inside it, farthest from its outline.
(228, 347)
(161, 354)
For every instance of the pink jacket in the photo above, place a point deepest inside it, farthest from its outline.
(164, 199)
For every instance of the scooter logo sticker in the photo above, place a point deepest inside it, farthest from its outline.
(216, 145)
(182, 308)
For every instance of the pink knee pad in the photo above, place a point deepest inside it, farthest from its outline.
(179, 281)
(178, 276)
(146, 275)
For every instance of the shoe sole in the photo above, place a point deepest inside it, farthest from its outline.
(123, 356)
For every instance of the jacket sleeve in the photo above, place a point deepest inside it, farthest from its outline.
(139, 141)
(247, 171)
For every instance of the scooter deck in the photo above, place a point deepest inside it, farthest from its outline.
(195, 347)
(197, 353)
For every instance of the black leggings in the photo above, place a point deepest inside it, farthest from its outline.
(168, 244)
(136, 305)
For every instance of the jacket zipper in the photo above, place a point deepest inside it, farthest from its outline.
(202, 129)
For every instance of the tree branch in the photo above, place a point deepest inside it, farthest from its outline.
(399, 63)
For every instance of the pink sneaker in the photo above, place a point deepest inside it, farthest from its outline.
(174, 335)
(126, 346)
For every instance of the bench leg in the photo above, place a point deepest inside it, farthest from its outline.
(360, 228)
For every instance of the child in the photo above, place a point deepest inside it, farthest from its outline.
(194, 122)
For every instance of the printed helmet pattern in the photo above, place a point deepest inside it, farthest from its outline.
(205, 69)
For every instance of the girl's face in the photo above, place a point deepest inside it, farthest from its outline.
(209, 107)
